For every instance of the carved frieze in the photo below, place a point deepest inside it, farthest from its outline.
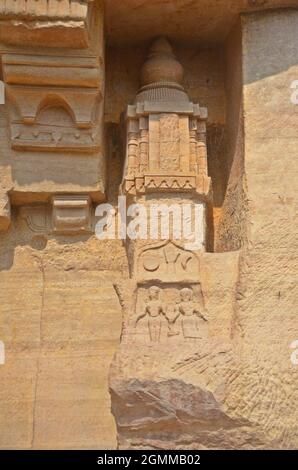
(164, 312)
(54, 119)
(169, 311)
(54, 95)
(54, 102)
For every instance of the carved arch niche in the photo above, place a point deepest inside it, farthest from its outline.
(54, 120)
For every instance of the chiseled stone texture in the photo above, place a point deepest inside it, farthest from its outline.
(264, 177)
(204, 21)
(60, 318)
(174, 391)
(268, 289)
(60, 322)
(239, 392)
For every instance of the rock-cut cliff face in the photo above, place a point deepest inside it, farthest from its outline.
(233, 386)
(148, 344)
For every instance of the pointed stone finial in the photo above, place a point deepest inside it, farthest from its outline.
(161, 65)
(162, 75)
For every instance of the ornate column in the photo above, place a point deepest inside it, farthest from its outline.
(166, 132)
(171, 304)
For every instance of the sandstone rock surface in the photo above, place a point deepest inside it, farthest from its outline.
(148, 344)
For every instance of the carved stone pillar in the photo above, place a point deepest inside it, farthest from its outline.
(171, 304)
(166, 133)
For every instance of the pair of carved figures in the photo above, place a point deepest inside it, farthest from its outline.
(186, 309)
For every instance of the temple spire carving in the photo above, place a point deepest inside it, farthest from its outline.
(166, 133)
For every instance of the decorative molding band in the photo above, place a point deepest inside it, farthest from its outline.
(45, 22)
(50, 9)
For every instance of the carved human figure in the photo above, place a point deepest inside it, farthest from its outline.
(190, 312)
(153, 310)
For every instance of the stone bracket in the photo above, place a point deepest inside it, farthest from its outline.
(71, 214)
(65, 215)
